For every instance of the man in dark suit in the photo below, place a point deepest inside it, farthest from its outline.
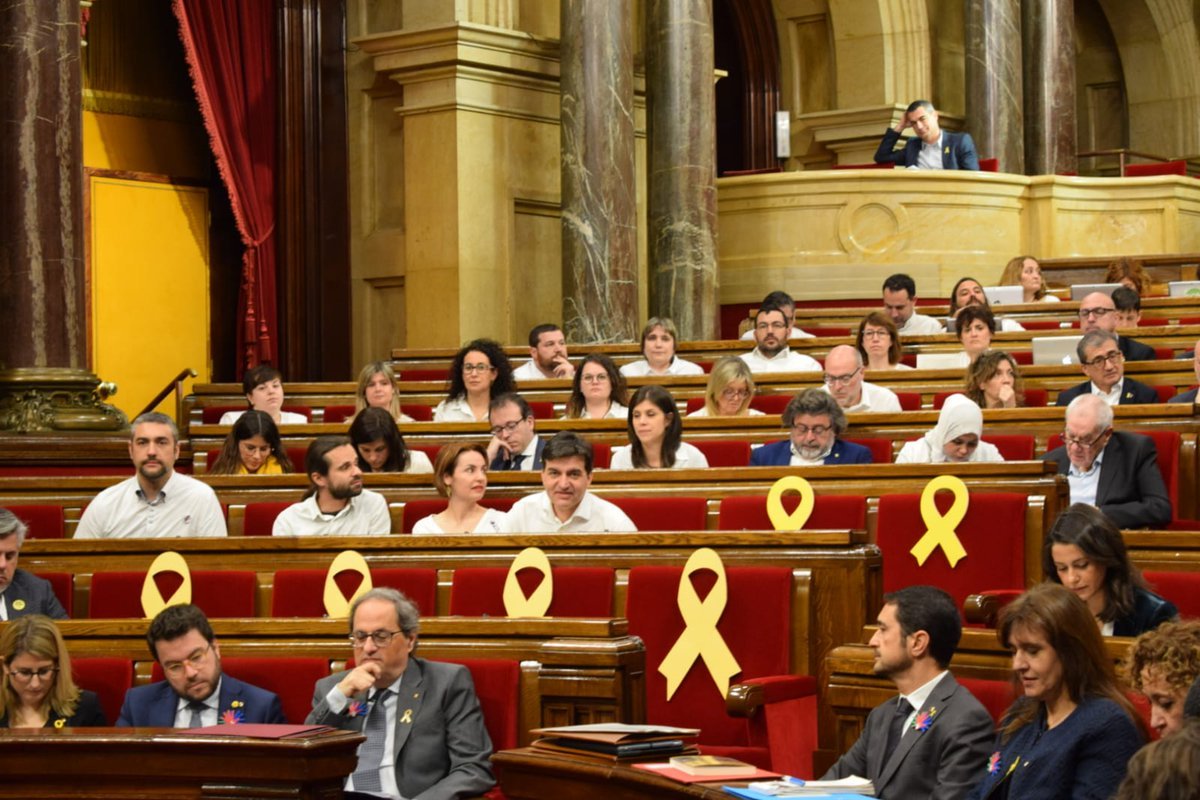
(195, 693)
(1098, 312)
(513, 445)
(933, 148)
(816, 421)
(1102, 361)
(931, 741)
(440, 747)
(21, 592)
(1190, 395)
(1114, 471)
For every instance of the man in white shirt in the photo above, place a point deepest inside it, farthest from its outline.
(566, 506)
(784, 301)
(844, 380)
(932, 148)
(900, 301)
(547, 356)
(772, 353)
(336, 503)
(157, 502)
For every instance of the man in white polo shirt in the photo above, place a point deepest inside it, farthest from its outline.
(771, 326)
(566, 506)
(157, 502)
(844, 380)
(336, 503)
(547, 356)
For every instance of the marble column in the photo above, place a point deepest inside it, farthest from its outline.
(682, 210)
(1049, 56)
(44, 381)
(599, 191)
(995, 106)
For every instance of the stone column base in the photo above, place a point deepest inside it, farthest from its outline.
(49, 399)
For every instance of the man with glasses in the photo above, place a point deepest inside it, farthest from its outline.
(195, 693)
(336, 504)
(844, 380)
(1098, 312)
(1104, 364)
(513, 445)
(424, 727)
(21, 592)
(772, 354)
(785, 302)
(816, 421)
(1112, 470)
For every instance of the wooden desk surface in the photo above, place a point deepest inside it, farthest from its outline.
(528, 774)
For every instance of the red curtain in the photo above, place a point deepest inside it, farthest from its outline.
(230, 47)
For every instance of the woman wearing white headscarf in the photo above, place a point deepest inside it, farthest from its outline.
(954, 438)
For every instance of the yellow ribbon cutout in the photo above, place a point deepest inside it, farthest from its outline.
(516, 604)
(700, 639)
(942, 530)
(337, 605)
(782, 520)
(152, 599)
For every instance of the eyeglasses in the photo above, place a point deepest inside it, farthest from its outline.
(875, 334)
(735, 394)
(195, 661)
(771, 326)
(1073, 441)
(840, 380)
(507, 427)
(380, 638)
(1098, 313)
(599, 377)
(26, 675)
(469, 368)
(1115, 357)
(815, 430)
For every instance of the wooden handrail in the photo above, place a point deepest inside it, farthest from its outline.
(174, 385)
(1122, 154)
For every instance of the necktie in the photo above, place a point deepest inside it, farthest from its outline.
(195, 706)
(370, 753)
(896, 729)
(516, 461)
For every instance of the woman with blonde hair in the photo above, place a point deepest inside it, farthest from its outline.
(879, 342)
(729, 392)
(1026, 272)
(37, 689)
(460, 475)
(377, 389)
(994, 381)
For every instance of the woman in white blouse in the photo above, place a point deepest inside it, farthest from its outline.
(377, 389)
(460, 475)
(597, 390)
(954, 438)
(658, 352)
(655, 429)
(380, 446)
(480, 371)
(264, 392)
(729, 392)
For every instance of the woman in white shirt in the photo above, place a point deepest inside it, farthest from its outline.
(460, 475)
(380, 446)
(480, 371)
(597, 390)
(879, 342)
(729, 392)
(658, 352)
(263, 386)
(974, 326)
(377, 389)
(1026, 272)
(655, 429)
(954, 438)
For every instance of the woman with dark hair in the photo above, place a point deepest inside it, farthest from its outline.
(1026, 272)
(1084, 551)
(1128, 272)
(377, 389)
(974, 327)
(252, 448)
(38, 690)
(597, 390)
(263, 386)
(1165, 770)
(654, 429)
(380, 446)
(658, 352)
(878, 342)
(460, 475)
(479, 372)
(1073, 731)
(994, 381)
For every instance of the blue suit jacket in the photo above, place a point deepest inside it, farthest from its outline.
(958, 151)
(29, 594)
(779, 454)
(502, 463)
(1131, 392)
(154, 706)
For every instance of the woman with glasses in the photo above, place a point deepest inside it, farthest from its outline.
(380, 446)
(955, 438)
(729, 392)
(994, 381)
(597, 390)
(38, 690)
(460, 475)
(1026, 272)
(253, 447)
(479, 372)
(879, 342)
(377, 389)
(655, 432)
(658, 352)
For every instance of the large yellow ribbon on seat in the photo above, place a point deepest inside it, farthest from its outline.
(701, 639)
(152, 599)
(516, 604)
(780, 518)
(941, 531)
(337, 605)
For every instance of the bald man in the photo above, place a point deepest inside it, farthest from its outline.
(1098, 312)
(844, 380)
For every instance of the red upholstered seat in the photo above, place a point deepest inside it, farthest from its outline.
(995, 696)
(419, 412)
(498, 686)
(1013, 446)
(724, 452)
(1040, 324)
(756, 626)
(63, 584)
(769, 403)
(601, 455)
(1036, 398)
(334, 414)
(261, 516)
(109, 678)
(1181, 588)
(748, 512)
(430, 450)
(993, 534)
(297, 456)
(1153, 322)
(1167, 445)
(578, 591)
(1024, 358)
(301, 592)
(542, 409)
(665, 513)
(693, 405)
(1165, 393)
(1178, 167)
(225, 593)
(989, 165)
(909, 401)
(415, 510)
(292, 679)
(881, 449)
(43, 521)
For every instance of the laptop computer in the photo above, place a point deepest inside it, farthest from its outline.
(1004, 295)
(1055, 350)
(940, 360)
(1183, 289)
(1082, 290)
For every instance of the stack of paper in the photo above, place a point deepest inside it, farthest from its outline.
(618, 741)
(850, 787)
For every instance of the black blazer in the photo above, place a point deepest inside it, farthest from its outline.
(958, 151)
(1149, 611)
(502, 463)
(1131, 392)
(1131, 491)
(1133, 350)
(88, 714)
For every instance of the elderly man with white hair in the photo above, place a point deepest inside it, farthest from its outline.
(844, 380)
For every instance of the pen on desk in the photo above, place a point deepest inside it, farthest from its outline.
(797, 781)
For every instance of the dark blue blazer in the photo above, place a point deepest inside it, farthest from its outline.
(1131, 392)
(154, 706)
(1133, 350)
(1149, 611)
(779, 454)
(958, 151)
(502, 463)
(34, 595)
(1187, 397)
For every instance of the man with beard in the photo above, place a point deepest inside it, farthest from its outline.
(547, 356)
(816, 421)
(336, 502)
(157, 501)
(771, 327)
(934, 739)
(195, 694)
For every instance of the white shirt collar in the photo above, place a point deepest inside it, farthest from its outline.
(917, 697)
